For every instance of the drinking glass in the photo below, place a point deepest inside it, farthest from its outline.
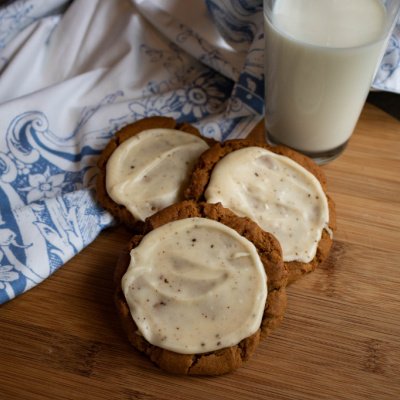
(320, 59)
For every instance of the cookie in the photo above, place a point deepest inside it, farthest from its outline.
(191, 315)
(145, 167)
(281, 190)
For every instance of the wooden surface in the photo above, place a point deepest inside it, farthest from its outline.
(340, 338)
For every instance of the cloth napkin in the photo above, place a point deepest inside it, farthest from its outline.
(72, 73)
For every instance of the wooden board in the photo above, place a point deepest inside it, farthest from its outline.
(340, 338)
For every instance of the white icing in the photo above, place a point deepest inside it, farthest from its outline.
(277, 193)
(195, 285)
(146, 173)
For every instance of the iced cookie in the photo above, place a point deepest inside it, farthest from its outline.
(196, 292)
(281, 190)
(145, 167)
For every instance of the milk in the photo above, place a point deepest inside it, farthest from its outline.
(321, 57)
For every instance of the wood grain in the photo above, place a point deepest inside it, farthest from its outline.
(340, 338)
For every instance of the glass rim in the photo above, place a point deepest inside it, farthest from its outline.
(384, 36)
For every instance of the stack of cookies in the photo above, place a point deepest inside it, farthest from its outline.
(219, 230)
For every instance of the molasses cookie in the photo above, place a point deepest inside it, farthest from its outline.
(145, 167)
(281, 190)
(199, 288)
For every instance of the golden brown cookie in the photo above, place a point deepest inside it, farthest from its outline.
(208, 160)
(119, 211)
(226, 359)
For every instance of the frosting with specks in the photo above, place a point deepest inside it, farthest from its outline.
(281, 196)
(146, 173)
(194, 286)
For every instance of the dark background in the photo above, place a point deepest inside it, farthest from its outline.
(389, 102)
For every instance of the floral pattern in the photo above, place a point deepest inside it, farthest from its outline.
(201, 98)
(44, 185)
(7, 275)
(385, 78)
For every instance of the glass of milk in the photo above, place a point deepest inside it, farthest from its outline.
(320, 60)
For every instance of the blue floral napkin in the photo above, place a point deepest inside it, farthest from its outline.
(73, 73)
